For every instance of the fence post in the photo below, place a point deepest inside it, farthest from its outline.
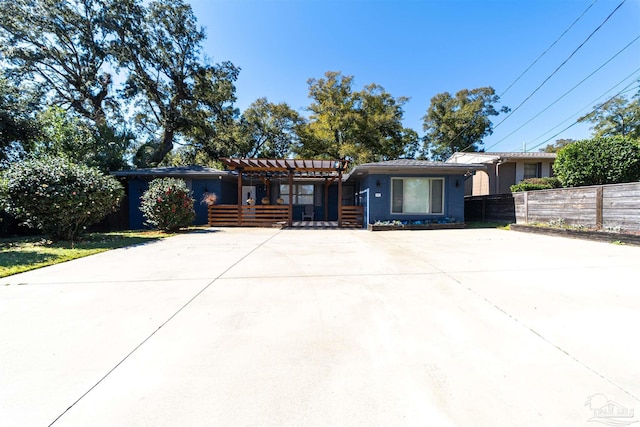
(599, 204)
(526, 207)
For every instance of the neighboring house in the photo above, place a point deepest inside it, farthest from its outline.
(292, 190)
(503, 170)
(412, 190)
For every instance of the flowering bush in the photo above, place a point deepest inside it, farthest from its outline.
(57, 196)
(167, 204)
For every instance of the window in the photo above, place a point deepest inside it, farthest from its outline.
(302, 194)
(417, 195)
(531, 170)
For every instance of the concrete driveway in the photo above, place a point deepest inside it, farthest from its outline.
(254, 327)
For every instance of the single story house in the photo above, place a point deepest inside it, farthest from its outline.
(503, 169)
(288, 192)
(411, 191)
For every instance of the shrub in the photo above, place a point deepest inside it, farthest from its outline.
(605, 160)
(536, 184)
(58, 197)
(167, 204)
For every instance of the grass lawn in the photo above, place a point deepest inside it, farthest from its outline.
(27, 253)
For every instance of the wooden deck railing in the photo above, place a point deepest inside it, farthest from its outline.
(352, 216)
(271, 216)
(248, 216)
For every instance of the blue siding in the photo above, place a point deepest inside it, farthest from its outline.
(379, 208)
(137, 186)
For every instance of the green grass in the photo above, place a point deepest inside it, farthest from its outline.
(28, 253)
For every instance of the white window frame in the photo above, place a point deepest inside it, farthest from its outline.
(430, 210)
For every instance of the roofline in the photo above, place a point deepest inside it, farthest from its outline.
(442, 168)
(174, 173)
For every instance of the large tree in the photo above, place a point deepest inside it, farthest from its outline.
(61, 45)
(361, 126)
(618, 116)
(178, 95)
(268, 130)
(459, 122)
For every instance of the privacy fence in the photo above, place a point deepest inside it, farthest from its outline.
(601, 207)
(493, 208)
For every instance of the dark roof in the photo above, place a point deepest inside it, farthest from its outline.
(414, 166)
(179, 171)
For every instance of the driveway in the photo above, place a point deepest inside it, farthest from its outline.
(252, 327)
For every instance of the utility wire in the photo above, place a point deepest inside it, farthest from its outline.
(565, 94)
(534, 62)
(572, 124)
(561, 65)
(623, 90)
(548, 49)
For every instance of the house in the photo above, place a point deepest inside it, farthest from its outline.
(201, 180)
(289, 192)
(503, 170)
(411, 191)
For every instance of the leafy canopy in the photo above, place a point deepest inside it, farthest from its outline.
(618, 116)
(177, 94)
(362, 126)
(459, 122)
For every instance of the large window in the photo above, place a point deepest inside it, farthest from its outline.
(417, 195)
(302, 194)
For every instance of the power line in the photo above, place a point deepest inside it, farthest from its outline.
(565, 94)
(575, 123)
(561, 65)
(548, 49)
(623, 90)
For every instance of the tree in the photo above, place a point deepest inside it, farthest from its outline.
(557, 146)
(361, 126)
(380, 133)
(18, 126)
(177, 94)
(603, 160)
(460, 122)
(65, 134)
(62, 46)
(617, 116)
(268, 130)
(64, 49)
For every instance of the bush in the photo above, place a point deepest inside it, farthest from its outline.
(605, 160)
(167, 204)
(58, 197)
(536, 184)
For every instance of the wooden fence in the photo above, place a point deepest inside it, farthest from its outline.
(271, 216)
(248, 216)
(352, 216)
(600, 207)
(492, 208)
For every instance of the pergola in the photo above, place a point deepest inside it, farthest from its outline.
(268, 169)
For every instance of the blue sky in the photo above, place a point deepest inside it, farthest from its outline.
(419, 48)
